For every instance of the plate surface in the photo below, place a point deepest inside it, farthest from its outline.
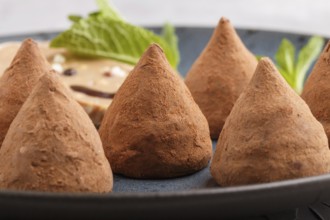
(193, 196)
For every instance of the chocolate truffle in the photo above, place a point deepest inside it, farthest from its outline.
(220, 74)
(52, 145)
(153, 128)
(270, 135)
(316, 92)
(18, 81)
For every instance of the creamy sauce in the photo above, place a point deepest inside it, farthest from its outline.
(101, 75)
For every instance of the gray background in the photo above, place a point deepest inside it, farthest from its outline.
(301, 16)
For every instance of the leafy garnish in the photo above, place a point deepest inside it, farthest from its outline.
(307, 56)
(259, 57)
(74, 18)
(295, 70)
(106, 34)
(107, 10)
(168, 34)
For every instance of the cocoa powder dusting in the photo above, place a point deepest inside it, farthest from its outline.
(18, 81)
(264, 140)
(316, 91)
(220, 74)
(153, 128)
(52, 145)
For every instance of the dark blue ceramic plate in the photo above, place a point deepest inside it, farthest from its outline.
(190, 197)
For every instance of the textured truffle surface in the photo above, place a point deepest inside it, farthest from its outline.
(52, 145)
(270, 135)
(18, 81)
(220, 74)
(316, 91)
(153, 128)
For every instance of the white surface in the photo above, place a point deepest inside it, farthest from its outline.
(302, 16)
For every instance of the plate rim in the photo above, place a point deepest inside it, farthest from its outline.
(322, 182)
(201, 27)
(283, 184)
(205, 191)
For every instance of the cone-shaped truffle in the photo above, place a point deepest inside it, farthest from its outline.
(52, 145)
(153, 128)
(18, 81)
(220, 74)
(316, 92)
(269, 135)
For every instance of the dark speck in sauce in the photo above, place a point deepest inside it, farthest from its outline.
(92, 92)
(70, 72)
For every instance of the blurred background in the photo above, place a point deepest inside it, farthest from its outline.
(299, 16)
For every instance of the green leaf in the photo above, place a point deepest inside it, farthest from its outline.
(107, 10)
(307, 55)
(294, 71)
(287, 76)
(103, 36)
(104, 33)
(259, 57)
(285, 56)
(74, 18)
(94, 14)
(168, 34)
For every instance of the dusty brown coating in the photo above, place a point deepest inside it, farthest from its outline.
(153, 128)
(316, 91)
(269, 135)
(220, 74)
(18, 81)
(52, 145)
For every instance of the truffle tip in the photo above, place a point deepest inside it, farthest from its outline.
(49, 80)
(154, 52)
(327, 47)
(265, 61)
(155, 48)
(28, 46)
(28, 42)
(224, 24)
(224, 19)
(266, 70)
(50, 76)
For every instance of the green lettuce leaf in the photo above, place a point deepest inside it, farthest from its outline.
(106, 34)
(168, 34)
(285, 56)
(107, 10)
(110, 38)
(295, 70)
(75, 18)
(259, 57)
(307, 55)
